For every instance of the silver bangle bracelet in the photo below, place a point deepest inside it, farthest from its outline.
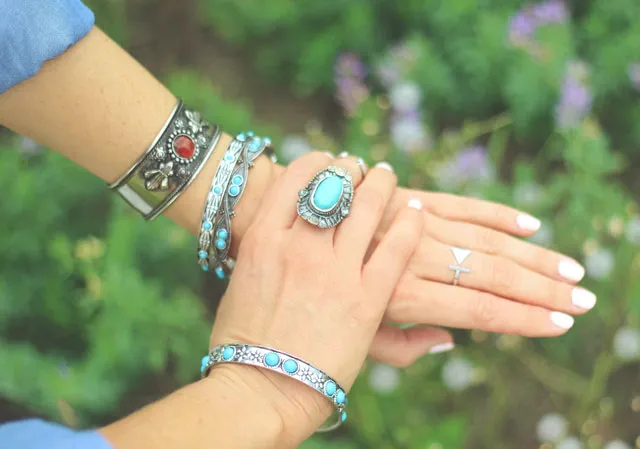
(170, 164)
(226, 190)
(253, 148)
(217, 194)
(286, 364)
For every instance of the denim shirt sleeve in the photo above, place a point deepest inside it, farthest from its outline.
(37, 434)
(33, 31)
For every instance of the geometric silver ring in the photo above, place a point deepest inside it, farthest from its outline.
(460, 255)
(326, 200)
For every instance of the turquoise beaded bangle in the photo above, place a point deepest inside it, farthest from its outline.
(285, 364)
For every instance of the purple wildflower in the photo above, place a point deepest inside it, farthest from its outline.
(521, 28)
(469, 165)
(575, 100)
(549, 12)
(523, 25)
(350, 73)
(634, 74)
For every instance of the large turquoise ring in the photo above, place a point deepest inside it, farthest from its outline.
(326, 200)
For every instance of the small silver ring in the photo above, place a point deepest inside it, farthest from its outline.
(460, 255)
(363, 166)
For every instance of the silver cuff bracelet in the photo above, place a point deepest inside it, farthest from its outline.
(171, 163)
(286, 364)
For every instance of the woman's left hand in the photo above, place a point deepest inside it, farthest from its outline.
(508, 285)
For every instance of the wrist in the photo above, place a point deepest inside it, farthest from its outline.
(294, 410)
(187, 210)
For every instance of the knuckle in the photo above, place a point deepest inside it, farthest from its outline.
(484, 310)
(489, 240)
(300, 166)
(502, 275)
(401, 359)
(372, 200)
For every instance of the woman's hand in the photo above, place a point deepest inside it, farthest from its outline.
(308, 291)
(513, 286)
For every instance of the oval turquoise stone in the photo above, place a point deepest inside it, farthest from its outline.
(340, 397)
(330, 388)
(271, 359)
(327, 193)
(228, 352)
(343, 418)
(290, 366)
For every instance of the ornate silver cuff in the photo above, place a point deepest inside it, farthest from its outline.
(171, 163)
(283, 363)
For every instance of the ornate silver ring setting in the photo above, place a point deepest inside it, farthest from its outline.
(326, 200)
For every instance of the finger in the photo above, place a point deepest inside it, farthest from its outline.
(389, 260)
(402, 347)
(480, 212)
(352, 167)
(354, 235)
(427, 302)
(500, 276)
(490, 241)
(279, 211)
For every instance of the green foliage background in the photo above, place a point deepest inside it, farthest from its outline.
(94, 301)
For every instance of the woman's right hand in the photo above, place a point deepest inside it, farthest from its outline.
(309, 292)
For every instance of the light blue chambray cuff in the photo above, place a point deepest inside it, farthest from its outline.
(34, 31)
(38, 434)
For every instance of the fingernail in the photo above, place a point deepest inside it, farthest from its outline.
(343, 154)
(385, 166)
(330, 155)
(528, 223)
(569, 269)
(583, 298)
(415, 203)
(562, 320)
(443, 347)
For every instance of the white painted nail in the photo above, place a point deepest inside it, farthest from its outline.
(583, 298)
(330, 155)
(562, 320)
(569, 269)
(343, 154)
(528, 223)
(415, 203)
(385, 166)
(443, 347)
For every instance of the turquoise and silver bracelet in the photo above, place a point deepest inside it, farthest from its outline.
(227, 188)
(254, 146)
(217, 195)
(286, 364)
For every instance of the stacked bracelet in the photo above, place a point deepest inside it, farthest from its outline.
(286, 364)
(170, 164)
(226, 190)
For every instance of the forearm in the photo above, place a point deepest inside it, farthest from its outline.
(100, 108)
(221, 411)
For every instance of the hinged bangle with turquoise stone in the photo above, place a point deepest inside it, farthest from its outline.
(286, 364)
(254, 146)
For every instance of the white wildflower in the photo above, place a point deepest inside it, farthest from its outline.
(551, 428)
(626, 343)
(599, 263)
(457, 374)
(570, 443)
(384, 378)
